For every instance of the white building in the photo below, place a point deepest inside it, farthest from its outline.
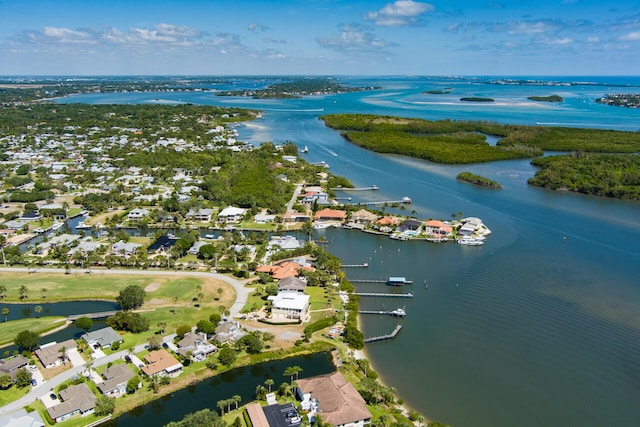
(289, 305)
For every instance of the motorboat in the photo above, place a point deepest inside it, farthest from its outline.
(470, 241)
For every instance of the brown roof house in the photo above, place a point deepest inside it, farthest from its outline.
(75, 400)
(335, 399)
(161, 363)
(12, 366)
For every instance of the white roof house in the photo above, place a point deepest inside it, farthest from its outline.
(289, 305)
(231, 214)
(137, 214)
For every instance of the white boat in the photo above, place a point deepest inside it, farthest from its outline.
(57, 225)
(305, 149)
(38, 230)
(321, 225)
(82, 226)
(398, 236)
(399, 312)
(470, 241)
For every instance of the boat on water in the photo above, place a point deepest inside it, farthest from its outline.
(82, 226)
(470, 241)
(398, 281)
(398, 236)
(57, 225)
(407, 200)
(399, 312)
(321, 225)
(305, 149)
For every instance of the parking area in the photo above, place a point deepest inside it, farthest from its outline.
(74, 357)
(36, 375)
(47, 401)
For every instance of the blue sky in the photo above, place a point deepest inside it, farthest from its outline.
(319, 37)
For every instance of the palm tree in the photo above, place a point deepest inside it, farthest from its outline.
(268, 382)
(236, 399)
(221, 404)
(38, 309)
(5, 313)
(3, 291)
(162, 326)
(229, 402)
(63, 354)
(24, 292)
(44, 293)
(297, 370)
(289, 372)
(420, 420)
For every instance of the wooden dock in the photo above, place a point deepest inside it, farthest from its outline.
(366, 281)
(395, 313)
(370, 188)
(98, 315)
(384, 337)
(385, 202)
(379, 294)
(363, 265)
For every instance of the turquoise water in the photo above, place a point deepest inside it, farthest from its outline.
(528, 329)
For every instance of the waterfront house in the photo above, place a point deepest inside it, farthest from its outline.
(51, 355)
(329, 215)
(201, 215)
(115, 380)
(195, 249)
(262, 218)
(437, 228)
(335, 399)
(161, 363)
(231, 214)
(162, 243)
(75, 400)
(12, 366)
(103, 338)
(293, 216)
(289, 305)
(364, 217)
(410, 225)
(137, 214)
(125, 248)
(283, 269)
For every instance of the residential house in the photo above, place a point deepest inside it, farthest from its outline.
(364, 217)
(410, 225)
(12, 366)
(195, 249)
(163, 243)
(201, 215)
(319, 198)
(197, 345)
(437, 228)
(161, 363)
(289, 305)
(296, 217)
(125, 248)
(231, 214)
(75, 400)
(51, 354)
(469, 226)
(103, 338)
(115, 381)
(228, 332)
(329, 215)
(335, 399)
(292, 283)
(22, 418)
(137, 214)
(283, 269)
(262, 218)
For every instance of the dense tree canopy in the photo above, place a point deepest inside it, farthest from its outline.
(26, 340)
(131, 297)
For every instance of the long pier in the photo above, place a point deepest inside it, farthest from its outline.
(371, 188)
(363, 265)
(93, 315)
(384, 337)
(395, 313)
(378, 294)
(385, 202)
(366, 281)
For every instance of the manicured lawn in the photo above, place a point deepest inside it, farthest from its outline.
(12, 393)
(9, 330)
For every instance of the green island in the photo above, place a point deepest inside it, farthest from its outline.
(438, 91)
(297, 89)
(476, 99)
(550, 98)
(478, 180)
(606, 175)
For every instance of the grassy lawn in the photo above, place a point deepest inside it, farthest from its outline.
(79, 286)
(13, 393)
(10, 329)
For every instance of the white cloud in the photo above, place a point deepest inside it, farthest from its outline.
(632, 36)
(560, 41)
(594, 39)
(255, 28)
(354, 38)
(399, 13)
(528, 27)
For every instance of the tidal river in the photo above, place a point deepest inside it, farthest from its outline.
(541, 325)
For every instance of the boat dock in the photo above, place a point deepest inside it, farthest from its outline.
(399, 312)
(392, 281)
(384, 337)
(371, 188)
(381, 294)
(363, 265)
(405, 200)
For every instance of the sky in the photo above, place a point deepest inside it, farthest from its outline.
(319, 37)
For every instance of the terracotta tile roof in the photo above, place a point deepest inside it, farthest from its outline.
(157, 361)
(330, 214)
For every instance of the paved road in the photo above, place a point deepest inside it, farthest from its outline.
(242, 295)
